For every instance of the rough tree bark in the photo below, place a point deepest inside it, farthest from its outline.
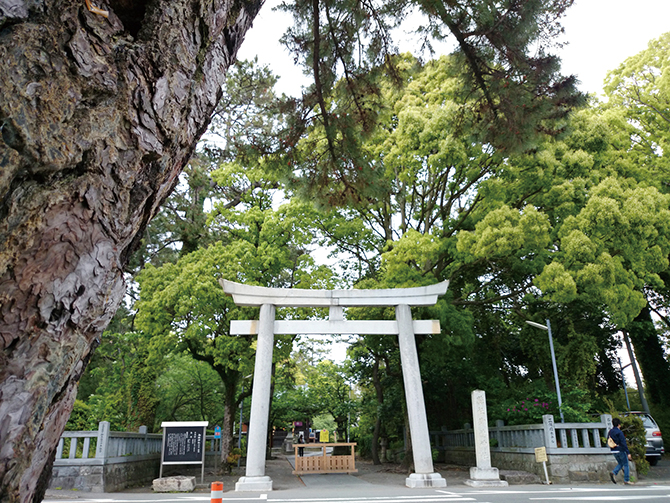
(98, 117)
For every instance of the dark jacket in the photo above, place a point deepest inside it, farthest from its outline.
(617, 435)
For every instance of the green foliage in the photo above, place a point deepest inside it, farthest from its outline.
(119, 384)
(576, 406)
(189, 390)
(640, 87)
(414, 173)
(509, 90)
(635, 433)
(81, 418)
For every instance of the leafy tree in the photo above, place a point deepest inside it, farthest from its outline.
(511, 89)
(374, 362)
(608, 232)
(189, 390)
(183, 307)
(640, 87)
(329, 388)
(119, 385)
(537, 232)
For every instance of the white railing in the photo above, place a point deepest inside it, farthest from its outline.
(77, 447)
(558, 438)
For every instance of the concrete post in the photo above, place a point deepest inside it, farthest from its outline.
(483, 474)
(550, 441)
(424, 475)
(103, 440)
(255, 479)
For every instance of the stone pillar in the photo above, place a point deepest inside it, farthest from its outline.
(482, 475)
(424, 475)
(255, 479)
(549, 431)
(103, 440)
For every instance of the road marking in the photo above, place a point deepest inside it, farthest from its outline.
(630, 497)
(137, 500)
(572, 490)
(380, 499)
(440, 498)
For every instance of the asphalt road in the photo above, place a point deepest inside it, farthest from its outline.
(388, 487)
(380, 494)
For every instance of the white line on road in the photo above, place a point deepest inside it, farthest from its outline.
(629, 497)
(133, 500)
(137, 500)
(379, 499)
(445, 498)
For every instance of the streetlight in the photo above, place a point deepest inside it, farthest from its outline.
(547, 327)
(623, 380)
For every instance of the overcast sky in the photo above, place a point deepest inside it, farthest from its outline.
(601, 34)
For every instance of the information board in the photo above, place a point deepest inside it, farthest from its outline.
(183, 443)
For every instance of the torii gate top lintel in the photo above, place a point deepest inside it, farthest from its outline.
(248, 295)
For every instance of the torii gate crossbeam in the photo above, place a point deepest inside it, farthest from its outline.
(404, 327)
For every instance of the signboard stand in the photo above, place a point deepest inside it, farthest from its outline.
(541, 457)
(184, 444)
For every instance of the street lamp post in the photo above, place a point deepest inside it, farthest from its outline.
(547, 327)
(623, 380)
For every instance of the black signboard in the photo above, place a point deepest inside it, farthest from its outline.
(183, 444)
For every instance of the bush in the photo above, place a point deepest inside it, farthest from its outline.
(81, 418)
(635, 433)
(530, 410)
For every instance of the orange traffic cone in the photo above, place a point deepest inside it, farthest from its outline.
(217, 492)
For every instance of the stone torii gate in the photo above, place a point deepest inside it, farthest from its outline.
(404, 327)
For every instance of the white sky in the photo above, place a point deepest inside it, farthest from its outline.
(600, 35)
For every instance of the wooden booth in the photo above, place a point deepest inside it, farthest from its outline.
(325, 463)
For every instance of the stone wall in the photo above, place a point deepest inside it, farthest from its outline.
(96, 475)
(562, 469)
(80, 477)
(139, 472)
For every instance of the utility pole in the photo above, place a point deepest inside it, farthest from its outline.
(636, 372)
(547, 327)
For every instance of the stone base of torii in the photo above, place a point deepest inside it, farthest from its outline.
(404, 327)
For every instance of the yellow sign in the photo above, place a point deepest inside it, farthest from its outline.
(540, 454)
(324, 436)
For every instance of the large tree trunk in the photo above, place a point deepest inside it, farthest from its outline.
(229, 409)
(98, 119)
(651, 357)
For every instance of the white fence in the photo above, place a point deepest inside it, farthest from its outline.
(107, 445)
(558, 438)
(575, 451)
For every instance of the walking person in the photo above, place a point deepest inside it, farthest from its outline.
(616, 441)
(301, 440)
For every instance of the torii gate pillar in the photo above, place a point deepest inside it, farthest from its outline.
(423, 475)
(404, 327)
(255, 479)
